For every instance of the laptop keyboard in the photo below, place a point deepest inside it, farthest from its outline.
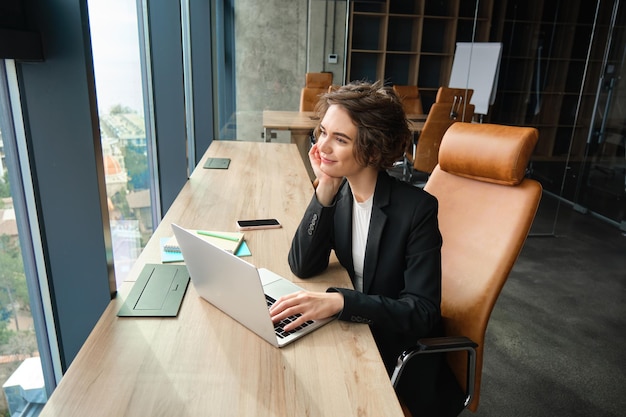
(279, 327)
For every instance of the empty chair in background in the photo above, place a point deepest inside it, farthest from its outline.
(316, 84)
(411, 100)
(451, 106)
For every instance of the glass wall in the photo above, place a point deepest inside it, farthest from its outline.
(599, 185)
(116, 55)
(561, 71)
(264, 51)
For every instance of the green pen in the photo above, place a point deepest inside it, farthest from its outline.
(218, 235)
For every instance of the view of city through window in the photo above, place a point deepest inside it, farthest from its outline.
(118, 82)
(18, 342)
(115, 46)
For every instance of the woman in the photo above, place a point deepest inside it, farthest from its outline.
(383, 231)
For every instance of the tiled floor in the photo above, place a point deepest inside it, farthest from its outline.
(556, 341)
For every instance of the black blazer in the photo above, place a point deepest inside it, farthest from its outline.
(402, 270)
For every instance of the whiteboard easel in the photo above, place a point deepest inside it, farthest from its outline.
(476, 66)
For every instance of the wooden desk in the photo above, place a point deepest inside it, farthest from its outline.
(203, 363)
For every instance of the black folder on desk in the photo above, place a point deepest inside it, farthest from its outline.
(158, 292)
(217, 163)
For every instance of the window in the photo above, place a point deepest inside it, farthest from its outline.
(115, 46)
(17, 334)
(20, 363)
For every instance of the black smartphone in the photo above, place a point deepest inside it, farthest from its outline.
(258, 224)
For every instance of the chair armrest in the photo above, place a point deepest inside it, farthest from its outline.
(445, 344)
(441, 345)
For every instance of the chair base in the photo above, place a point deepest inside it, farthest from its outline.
(448, 400)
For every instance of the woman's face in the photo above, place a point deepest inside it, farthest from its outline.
(336, 143)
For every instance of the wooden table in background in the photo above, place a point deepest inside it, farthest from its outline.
(300, 124)
(203, 363)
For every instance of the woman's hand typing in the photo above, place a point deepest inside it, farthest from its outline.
(311, 306)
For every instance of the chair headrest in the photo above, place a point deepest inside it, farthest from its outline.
(487, 152)
(319, 79)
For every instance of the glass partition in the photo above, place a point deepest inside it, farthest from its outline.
(560, 71)
(599, 186)
(265, 50)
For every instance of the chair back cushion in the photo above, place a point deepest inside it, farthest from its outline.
(318, 79)
(486, 208)
(316, 84)
(411, 100)
(309, 98)
(437, 123)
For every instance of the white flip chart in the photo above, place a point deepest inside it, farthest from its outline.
(476, 66)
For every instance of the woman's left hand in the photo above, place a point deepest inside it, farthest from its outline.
(311, 306)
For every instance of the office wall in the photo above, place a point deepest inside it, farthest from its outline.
(270, 48)
(327, 35)
(270, 53)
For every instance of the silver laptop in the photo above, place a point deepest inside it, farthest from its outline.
(238, 288)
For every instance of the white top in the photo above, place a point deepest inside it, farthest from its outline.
(361, 215)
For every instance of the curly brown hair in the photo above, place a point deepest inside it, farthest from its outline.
(383, 130)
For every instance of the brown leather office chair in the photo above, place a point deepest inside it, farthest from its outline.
(451, 106)
(440, 117)
(316, 83)
(411, 100)
(457, 96)
(486, 208)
